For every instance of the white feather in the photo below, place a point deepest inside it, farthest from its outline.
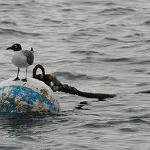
(19, 60)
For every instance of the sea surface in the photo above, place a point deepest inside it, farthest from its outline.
(98, 46)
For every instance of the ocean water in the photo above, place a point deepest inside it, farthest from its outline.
(96, 46)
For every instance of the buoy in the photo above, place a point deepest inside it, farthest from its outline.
(33, 96)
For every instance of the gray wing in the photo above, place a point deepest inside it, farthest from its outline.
(29, 55)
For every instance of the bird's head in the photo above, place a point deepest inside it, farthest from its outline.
(15, 47)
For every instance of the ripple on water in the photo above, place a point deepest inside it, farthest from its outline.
(147, 23)
(117, 11)
(89, 53)
(3, 147)
(5, 31)
(71, 76)
(8, 22)
(128, 130)
(50, 20)
(118, 60)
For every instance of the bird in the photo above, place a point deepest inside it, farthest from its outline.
(21, 58)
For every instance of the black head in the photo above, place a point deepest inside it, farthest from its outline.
(15, 47)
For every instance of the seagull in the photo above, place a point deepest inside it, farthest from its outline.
(21, 59)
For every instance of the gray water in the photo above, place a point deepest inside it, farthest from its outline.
(95, 46)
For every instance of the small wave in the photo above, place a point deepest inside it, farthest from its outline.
(5, 4)
(117, 60)
(144, 116)
(143, 92)
(115, 122)
(86, 52)
(128, 130)
(141, 62)
(117, 11)
(107, 78)
(139, 70)
(71, 76)
(27, 138)
(147, 41)
(19, 5)
(113, 39)
(67, 9)
(142, 84)
(86, 32)
(64, 62)
(95, 125)
(110, 4)
(90, 3)
(135, 35)
(128, 46)
(130, 120)
(79, 34)
(9, 147)
(52, 20)
(137, 120)
(147, 23)
(15, 32)
(8, 23)
(121, 41)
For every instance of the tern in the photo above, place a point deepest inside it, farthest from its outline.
(21, 58)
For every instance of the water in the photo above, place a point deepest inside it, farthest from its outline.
(95, 46)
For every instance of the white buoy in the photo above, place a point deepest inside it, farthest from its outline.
(33, 96)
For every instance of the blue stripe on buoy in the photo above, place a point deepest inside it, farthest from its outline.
(25, 94)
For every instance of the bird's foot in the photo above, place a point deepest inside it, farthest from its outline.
(24, 80)
(16, 79)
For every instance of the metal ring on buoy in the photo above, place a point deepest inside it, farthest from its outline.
(38, 76)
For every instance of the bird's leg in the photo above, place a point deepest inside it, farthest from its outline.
(17, 78)
(25, 79)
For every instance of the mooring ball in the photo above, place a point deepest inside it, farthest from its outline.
(27, 97)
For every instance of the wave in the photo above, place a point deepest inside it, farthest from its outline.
(147, 23)
(128, 46)
(114, 39)
(67, 9)
(137, 120)
(86, 52)
(129, 120)
(11, 147)
(6, 22)
(117, 60)
(115, 123)
(16, 32)
(123, 41)
(90, 3)
(71, 76)
(134, 35)
(110, 3)
(52, 20)
(80, 34)
(141, 62)
(143, 92)
(127, 129)
(19, 5)
(117, 11)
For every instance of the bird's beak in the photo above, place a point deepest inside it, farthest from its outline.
(8, 48)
